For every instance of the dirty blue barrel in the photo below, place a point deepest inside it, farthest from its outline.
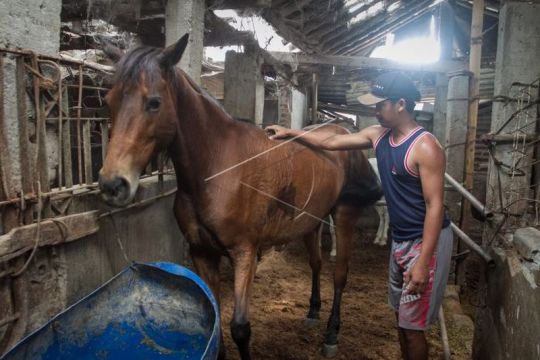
(148, 311)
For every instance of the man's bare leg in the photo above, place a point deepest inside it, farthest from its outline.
(402, 340)
(417, 348)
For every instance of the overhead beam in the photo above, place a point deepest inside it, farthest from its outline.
(443, 66)
(239, 4)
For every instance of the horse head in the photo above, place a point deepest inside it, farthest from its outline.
(143, 113)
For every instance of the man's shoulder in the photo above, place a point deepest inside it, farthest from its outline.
(428, 149)
(374, 131)
(428, 141)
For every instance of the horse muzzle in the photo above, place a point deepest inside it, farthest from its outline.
(116, 190)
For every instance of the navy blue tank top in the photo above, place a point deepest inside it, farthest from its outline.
(402, 186)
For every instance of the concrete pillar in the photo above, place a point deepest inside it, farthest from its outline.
(439, 111)
(187, 16)
(299, 109)
(456, 132)
(30, 25)
(284, 105)
(244, 86)
(33, 25)
(517, 64)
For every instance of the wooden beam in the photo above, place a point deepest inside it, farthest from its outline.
(371, 31)
(239, 4)
(296, 37)
(366, 62)
(52, 231)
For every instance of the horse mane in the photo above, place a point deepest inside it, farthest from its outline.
(139, 59)
(145, 58)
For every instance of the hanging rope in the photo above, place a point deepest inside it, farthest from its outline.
(38, 233)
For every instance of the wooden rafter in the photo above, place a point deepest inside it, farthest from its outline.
(366, 62)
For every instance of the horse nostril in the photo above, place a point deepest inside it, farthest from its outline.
(115, 187)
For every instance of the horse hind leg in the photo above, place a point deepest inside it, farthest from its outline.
(345, 219)
(312, 242)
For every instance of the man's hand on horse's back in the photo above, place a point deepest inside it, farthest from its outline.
(277, 132)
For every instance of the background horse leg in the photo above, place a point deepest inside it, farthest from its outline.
(380, 238)
(244, 262)
(384, 238)
(345, 219)
(311, 240)
(333, 237)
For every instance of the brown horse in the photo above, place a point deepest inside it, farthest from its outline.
(237, 189)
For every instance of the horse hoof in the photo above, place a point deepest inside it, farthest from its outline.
(311, 323)
(329, 351)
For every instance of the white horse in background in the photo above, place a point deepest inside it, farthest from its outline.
(382, 231)
(384, 221)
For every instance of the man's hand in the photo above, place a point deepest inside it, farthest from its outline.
(417, 278)
(277, 132)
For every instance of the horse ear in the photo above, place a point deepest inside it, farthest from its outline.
(171, 55)
(111, 51)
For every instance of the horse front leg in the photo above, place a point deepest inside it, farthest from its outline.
(345, 220)
(313, 247)
(244, 262)
(207, 267)
(206, 262)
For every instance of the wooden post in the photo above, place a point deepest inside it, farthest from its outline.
(26, 169)
(474, 67)
(79, 136)
(66, 134)
(314, 97)
(87, 151)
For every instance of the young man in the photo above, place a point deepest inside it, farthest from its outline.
(411, 164)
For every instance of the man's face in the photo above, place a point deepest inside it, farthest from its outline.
(388, 112)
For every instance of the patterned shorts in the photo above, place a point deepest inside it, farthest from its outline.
(418, 311)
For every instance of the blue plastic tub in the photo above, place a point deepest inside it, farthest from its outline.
(148, 311)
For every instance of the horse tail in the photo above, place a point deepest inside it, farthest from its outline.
(362, 186)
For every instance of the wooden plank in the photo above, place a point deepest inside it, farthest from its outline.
(63, 58)
(364, 62)
(52, 232)
(41, 168)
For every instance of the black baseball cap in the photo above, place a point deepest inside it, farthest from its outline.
(392, 85)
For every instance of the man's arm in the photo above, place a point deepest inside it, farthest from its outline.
(361, 140)
(430, 161)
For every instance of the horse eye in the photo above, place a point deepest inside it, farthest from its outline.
(153, 104)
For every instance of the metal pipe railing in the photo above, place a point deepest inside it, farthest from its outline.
(470, 197)
(473, 245)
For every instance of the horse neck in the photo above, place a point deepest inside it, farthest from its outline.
(203, 128)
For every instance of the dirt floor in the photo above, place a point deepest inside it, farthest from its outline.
(280, 303)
